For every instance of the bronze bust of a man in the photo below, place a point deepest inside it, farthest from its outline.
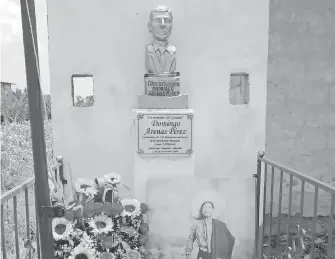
(160, 56)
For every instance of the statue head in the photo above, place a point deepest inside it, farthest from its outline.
(160, 23)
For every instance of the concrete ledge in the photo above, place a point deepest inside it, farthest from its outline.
(162, 102)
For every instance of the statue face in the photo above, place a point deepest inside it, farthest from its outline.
(160, 26)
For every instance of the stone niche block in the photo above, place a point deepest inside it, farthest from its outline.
(239, 89)
(162, 102)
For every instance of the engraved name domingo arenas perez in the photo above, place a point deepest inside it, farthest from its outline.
(160, 56)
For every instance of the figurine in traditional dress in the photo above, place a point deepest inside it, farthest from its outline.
(212, 236)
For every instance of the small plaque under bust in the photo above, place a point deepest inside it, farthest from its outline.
(162, 84)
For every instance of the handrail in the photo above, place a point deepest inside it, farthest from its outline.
(31, 235)
(18, 189)
(324, 186)
(269, 220)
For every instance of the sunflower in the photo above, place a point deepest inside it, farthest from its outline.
(101, 224)
(61, 228)
(133, 254)
(82, 252)
(112, 178)
(131, 207)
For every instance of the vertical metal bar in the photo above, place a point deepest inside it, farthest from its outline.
(257, 202)
(264, 203)
(256, 217)
(38, 247)
(17, 247)
(316, 196)
(38, 241)
(271, 209)
(331, 227)
(3, 242)
(279, 206)
(289, 212)
(302, 199)
(27, 218)
(37, 125)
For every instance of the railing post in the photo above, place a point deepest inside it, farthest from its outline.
(257, 176)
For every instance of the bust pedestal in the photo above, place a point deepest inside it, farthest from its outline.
(163, 132)
(163, 167)
(163, 146)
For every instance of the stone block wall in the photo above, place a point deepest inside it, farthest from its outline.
(301, 86)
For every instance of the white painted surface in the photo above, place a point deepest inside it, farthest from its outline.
(163, 166)
(107, 39)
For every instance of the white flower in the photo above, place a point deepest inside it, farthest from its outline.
(82, 251)
(86, 187)
(171, 49)
(101, 224)
(58, 253)
(86, 239)
(112, 178)
(81, 184)
(61, 228)
(131, 207)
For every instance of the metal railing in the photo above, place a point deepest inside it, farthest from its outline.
(13, 223)
(282, 218)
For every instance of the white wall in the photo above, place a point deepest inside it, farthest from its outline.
(107, 39)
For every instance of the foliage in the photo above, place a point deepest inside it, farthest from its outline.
(81, 102)
(304, 240)
(16, 167)
(16, 153)
(14, 105)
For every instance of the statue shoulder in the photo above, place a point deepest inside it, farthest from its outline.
(150, 48)
(172, 49)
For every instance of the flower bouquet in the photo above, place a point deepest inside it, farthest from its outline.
(100, 224)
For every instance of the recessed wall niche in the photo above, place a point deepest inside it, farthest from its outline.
(239, 88)
(82, 90)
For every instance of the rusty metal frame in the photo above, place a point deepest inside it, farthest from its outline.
(37, 126)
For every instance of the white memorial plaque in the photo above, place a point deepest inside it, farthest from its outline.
(164, 134)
